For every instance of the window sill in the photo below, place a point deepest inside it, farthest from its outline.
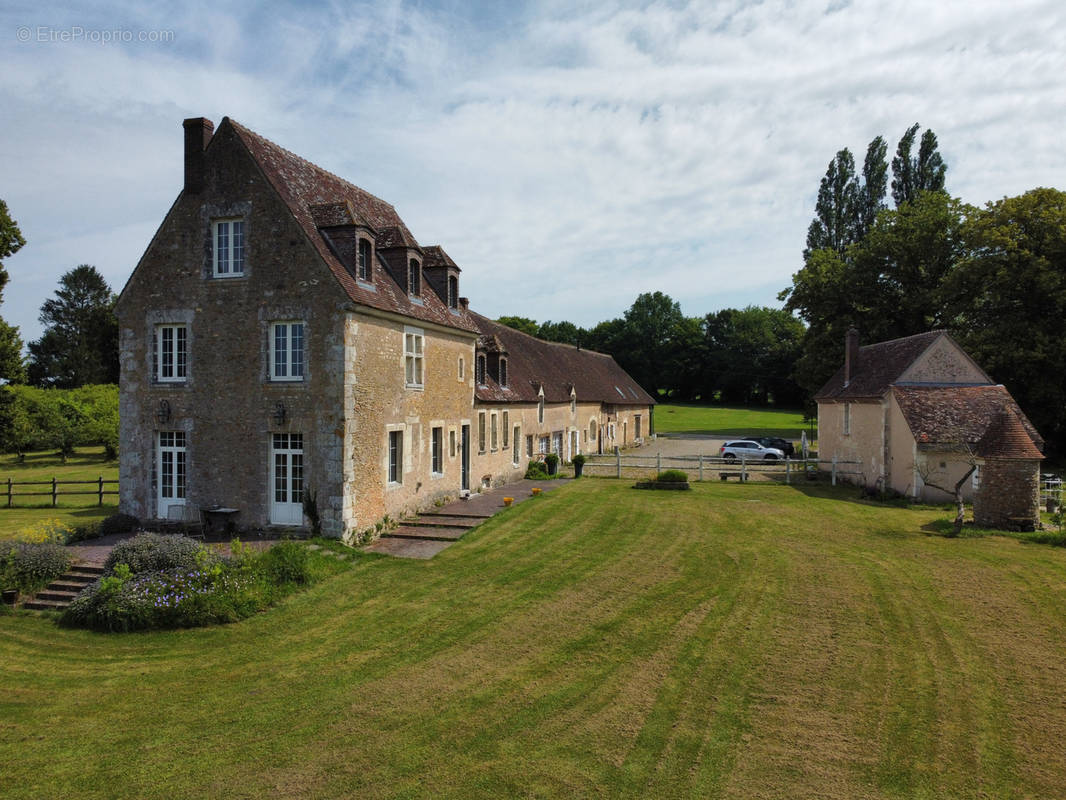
(415, 387)
(286, 381)
(236, 277)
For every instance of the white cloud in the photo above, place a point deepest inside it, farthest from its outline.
(584, 152)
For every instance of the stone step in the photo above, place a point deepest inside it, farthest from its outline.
(69, 583)
(59, 595)
(442, 521)
(86, 569)
(455, 514)
(429, 533)
(45, 605)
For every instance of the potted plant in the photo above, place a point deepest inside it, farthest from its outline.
(579, 465)
(551, 461)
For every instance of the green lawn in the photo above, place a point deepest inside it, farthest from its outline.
(88, 463)
(725, 421)
(733, 641)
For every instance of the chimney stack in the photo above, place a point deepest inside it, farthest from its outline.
(851, 353)
(198, 132)
(464, 303)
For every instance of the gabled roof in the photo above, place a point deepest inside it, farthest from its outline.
(877, 367)
(959, 416)
(533, 363)
(310, 191)
(434, 256)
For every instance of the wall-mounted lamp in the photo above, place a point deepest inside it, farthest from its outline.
(279, 414)
(162, 414)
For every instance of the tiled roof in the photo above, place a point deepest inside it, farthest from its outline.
(1007, 437)
(532, 363)
(877, 367)
(958, 415)
(310, 191)
(434, 256)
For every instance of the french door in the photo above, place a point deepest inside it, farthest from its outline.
(170, 471)
(287, 479)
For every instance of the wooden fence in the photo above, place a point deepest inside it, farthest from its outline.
(54, 493)
(701, 467)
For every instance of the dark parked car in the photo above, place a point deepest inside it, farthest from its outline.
(783, 445)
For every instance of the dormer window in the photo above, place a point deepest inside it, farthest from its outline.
(453, 292)
(414, 278)
(480, 369)
(503, 372)
(364, 260)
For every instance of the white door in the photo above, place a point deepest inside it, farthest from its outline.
(287, 479)
(170, 471)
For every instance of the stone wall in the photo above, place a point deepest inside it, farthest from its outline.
(1008, 492)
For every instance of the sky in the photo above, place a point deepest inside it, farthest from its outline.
(567, 155)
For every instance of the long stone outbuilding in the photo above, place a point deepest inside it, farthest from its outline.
(286, 341)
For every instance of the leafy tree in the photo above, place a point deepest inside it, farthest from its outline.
(833, 226)
(12, 367)
(649, 336)
(749, 355)
(913, 175)
(564, 332)
(523, 324)
(874, 186)
(80, 341)
(1007, 302)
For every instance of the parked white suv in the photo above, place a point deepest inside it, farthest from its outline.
(749, 451)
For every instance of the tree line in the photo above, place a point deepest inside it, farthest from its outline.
(64, 393)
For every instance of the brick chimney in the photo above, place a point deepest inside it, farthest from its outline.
(851, 353)
(464, 303)
(198, 132)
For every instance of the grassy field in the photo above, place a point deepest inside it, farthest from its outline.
(88, 463)
(724, 421)
(733, 641)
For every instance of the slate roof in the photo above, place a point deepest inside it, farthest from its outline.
(310, 191)
(532, 362)
(957, 415)
(877, 367)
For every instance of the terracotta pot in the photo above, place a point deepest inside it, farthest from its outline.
(535, 491)
(508, 500)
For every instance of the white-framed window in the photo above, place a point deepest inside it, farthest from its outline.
(481, 432)
(227, 248)
(437, 451)
(503, 372)
(516, 452)
(287, 351)
(413, 343)
(545, 445)
(414, 278)
(364, 260)
(287, 477)
(847, 419)
(171, 354)
(170, 470)
(395, 456)
(506, 429)
(493, 435)
(529, 446)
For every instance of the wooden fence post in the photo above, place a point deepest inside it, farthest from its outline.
(618, 462)
(658, 463)
(834, 469)
(9, 492)
(53, 492)
(743, 470)
(788, 471)
(701, 466)
(101, 491)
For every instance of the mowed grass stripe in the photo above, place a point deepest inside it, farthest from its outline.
(732, 641)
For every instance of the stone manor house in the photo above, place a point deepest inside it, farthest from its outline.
(284, 337)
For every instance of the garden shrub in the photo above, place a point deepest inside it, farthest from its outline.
(551, 461)
(30, 566)
(536, 472)
(286, 562)
(672, 476)
(119, 523)
(47, 530)
(153, 552)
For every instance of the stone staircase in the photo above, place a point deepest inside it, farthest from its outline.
(57, 595)
(435, 526)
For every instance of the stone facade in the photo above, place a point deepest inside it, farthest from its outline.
(316, 350)
(1008, 495)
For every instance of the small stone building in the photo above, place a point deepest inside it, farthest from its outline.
(917, 414)
(285, 339)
